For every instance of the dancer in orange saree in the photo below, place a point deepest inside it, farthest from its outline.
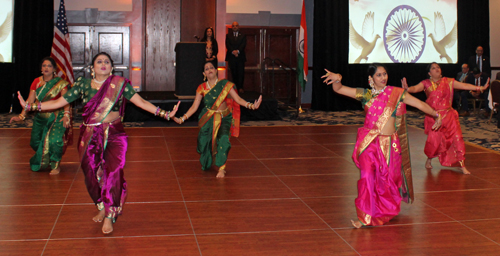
(381, 152)
(446, 143)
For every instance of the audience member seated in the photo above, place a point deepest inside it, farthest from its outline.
(461, 78)
(477, 79)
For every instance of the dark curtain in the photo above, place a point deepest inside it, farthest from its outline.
(331, 47)
(33, 33)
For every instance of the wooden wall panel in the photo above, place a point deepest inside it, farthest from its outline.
(162, 32)
(196, 16)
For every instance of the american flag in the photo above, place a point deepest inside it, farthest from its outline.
(61, 51)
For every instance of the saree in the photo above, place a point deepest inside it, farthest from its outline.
(49, 138)
(216, 126)
(102, 148)
(447, 142)
(383, 160)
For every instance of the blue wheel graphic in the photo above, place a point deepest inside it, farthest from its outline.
(404, 35)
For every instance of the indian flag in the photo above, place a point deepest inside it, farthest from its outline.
(302, 68)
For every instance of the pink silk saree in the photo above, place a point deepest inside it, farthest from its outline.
(383, 160)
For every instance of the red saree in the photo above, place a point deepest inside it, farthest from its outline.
(446, 143)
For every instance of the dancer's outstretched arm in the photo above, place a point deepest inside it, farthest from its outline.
(414, 89)
(191, 110)
(48, 105)
(424, 107)
(335, 80)
(471, 87)
(146, 105)
(234, 95)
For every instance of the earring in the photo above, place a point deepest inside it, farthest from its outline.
(370, 82)
(204, 77)
(92, 72)
(55, 74)
(111, 72)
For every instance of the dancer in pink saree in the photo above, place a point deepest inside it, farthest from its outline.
(446, 143)
(103, 142)
(381, 152)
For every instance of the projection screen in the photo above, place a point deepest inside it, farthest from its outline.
(6, 27)
(389, 31)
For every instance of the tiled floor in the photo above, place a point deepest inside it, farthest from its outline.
(289, 191)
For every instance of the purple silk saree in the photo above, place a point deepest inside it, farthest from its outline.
(102, 148)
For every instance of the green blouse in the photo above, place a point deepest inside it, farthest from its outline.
(82, 89)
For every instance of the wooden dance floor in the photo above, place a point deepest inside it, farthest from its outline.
(289, 191)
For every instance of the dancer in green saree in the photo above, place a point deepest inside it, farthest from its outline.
(51, 132)
(219, 119)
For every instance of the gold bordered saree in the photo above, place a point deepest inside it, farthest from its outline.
(383, 160)
(49, 138)
(216, 126)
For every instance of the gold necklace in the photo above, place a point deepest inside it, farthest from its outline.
(43, 87)
(208, 84)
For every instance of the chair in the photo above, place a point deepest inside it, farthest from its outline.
(473, 102)
(495, 96)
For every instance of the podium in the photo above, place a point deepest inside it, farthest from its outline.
(189, 60)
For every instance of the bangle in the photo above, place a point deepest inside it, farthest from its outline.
(437, 115)
(186, 117)
(33, 107)
(162, 113)
(182, 119)
(39, 106)
(22, 117)
(167, 116)
(27, 106)
(157, 111)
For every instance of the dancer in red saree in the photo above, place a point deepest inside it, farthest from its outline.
(446, 143)
(381, 152)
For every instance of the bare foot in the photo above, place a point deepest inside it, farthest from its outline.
(55, 171)
(221, 173)
(428, 164)
(107, 226)
(464, 170)
(99, 217)
(356, 224)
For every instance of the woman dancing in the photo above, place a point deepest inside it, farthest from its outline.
(446, 143)
(218, 120)
(381, 152)
(103, 143)
(52, 131)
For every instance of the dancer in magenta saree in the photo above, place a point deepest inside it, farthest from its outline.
(446, 143)
(103, 142)
(381, 152)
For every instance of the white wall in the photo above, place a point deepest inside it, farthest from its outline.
(274, 6)
(102, 5)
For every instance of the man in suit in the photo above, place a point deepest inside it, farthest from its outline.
(461, 76)
(479, 79)
(481, 62)
(235, 55)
